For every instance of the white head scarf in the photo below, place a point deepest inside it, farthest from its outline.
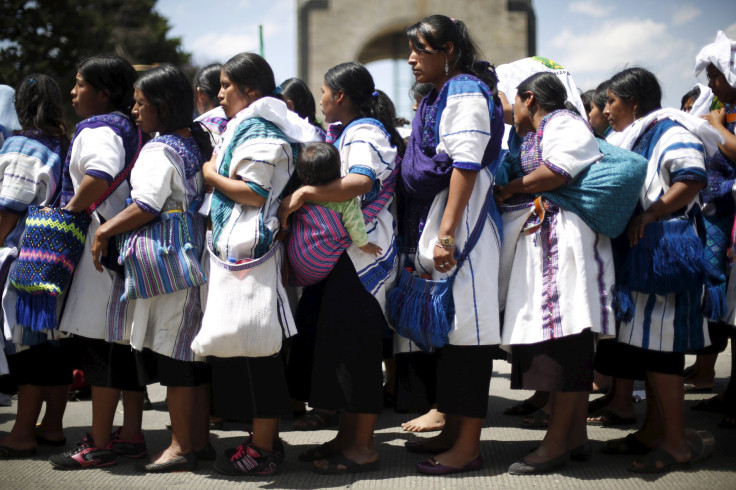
(701, 128)
(722, 53)
(702, 104)
(8, 118)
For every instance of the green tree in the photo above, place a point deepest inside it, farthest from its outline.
(52, 36)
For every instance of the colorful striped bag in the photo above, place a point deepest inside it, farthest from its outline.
(54, 238)
(50, 249)
(163, 257)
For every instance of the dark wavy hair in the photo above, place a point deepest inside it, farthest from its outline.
(113, 75)
(418, 91)
(168, 89)
(600, 96)
(694, 93)
(587, 100)
(357, 84)
(38, 105)
(438, 31)
(637, 85)
(318, 164)
(249, 70)
(549, 92)
(208, 81)
(295, 90)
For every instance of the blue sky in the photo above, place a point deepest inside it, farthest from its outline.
(592, 38)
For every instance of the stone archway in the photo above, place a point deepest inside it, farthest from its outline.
(334, 31)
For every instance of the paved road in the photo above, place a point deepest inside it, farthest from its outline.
(503, 443)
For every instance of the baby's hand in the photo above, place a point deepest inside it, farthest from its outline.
(371, 248)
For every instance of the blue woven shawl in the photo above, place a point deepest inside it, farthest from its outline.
(603, 195)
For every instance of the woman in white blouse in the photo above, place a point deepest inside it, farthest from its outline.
(560, 276)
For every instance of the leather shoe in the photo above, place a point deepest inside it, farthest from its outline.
(207, 453)
(188, 462)
(582, 453)
(419, 447)
(433, 467)
(524, 467)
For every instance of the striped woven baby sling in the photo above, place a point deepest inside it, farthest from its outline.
(54, 237)
(317, 236)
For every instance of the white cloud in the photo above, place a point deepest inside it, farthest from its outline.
(731, 31)
(591, 8)
(685, 14)
(222, 46)
(616, 43)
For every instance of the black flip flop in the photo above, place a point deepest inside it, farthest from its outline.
(626, 445)
(350, 466)
(669, 463)
(607, 418)
(50, 442)
(714, 404)
(7, 452)
(538, 420)
(521, 408)
(323, 451)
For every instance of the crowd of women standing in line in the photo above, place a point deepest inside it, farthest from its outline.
(446, 203)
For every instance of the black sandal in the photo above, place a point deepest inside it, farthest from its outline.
(316, 419)
(626, 445)
(323, 451)
(522, 408)
(715, 404)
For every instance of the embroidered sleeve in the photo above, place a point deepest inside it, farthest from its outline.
(102, 153)
(26, 174)
(152, 177)
(254, 162)
(367, 150)
(465, 122)
(568, 146)
(680, 154)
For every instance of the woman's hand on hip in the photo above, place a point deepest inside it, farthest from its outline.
(99, 249)
(637, 225)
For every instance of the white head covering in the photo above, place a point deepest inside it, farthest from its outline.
(722, 53)
(8, 118)
(702, 104)
(701, 128)
(510, 75)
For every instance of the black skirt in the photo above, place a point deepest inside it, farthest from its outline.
(249, 387)
(300, 350)
(48, 364)
(180, 374)
(629, 362)
(347, 371)
(464, 379)
(416, 381)
(111, 365)
(564, 364)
